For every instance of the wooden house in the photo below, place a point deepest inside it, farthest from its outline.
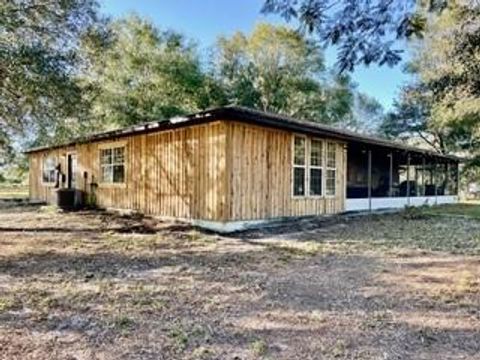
(231, 167)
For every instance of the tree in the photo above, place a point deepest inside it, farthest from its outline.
(442, 106)
(141, 74)
(364, 31)
(410, 119)
(367, 114)
(38, 58)
(277, 69)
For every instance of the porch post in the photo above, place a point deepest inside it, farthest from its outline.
(408, 179)
(390, 181)
(369, 191)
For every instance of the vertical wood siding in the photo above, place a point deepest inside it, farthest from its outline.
(220, 171)
(260, 176)
(177, 173)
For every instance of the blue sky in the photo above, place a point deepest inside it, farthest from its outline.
(205, 20)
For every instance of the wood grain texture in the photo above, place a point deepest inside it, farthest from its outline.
(220, 171)
(178, 173)
(260, 176)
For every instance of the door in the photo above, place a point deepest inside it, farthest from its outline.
(71, 170)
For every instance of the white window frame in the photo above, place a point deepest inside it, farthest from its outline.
(55, 163)
(316, 167)
(112, 146)
(304, 167)
(330, 168)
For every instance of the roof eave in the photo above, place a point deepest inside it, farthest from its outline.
(250, 116)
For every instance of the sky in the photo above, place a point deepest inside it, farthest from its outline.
(205, 20)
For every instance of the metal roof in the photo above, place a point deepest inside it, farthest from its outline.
(247, 115)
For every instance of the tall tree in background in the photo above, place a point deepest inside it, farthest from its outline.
(443, 105)
(364, 31)
(38, 58)
(277, 69)
(367, 115)
(142, 74)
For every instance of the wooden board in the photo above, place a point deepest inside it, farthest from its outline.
(260, 176)
(218, 171)
(176, 173)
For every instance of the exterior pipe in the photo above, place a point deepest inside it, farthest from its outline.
(435, 180)
(423, 176)
(369, 180)
(408, 179)
(390, 184)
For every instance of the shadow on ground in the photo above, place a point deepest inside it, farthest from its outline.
(94, 292)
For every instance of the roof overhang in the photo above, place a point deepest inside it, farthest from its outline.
(246, 115)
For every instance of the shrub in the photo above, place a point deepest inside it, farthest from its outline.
(414, 213)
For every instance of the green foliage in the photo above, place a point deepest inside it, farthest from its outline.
(442, 106)
(464, 210)
(142, 74)
(259, 347)
(414, 213)
(277, 69)
(38, 56)
(362, 30)
(66, 72)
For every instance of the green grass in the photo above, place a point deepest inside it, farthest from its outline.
(13, 191)
(463, 209)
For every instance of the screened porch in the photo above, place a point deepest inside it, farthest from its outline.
(381, 177)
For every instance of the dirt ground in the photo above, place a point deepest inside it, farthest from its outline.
(90, 285)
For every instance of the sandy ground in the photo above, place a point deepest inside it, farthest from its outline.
(90, 285)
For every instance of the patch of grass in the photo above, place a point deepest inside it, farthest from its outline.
(198, 238)
(394, 232)
(339, 349)
(13, 192)
(6, 303)
(123, 323)
(415, 212)
(466, 285)
(288, 251)
(378, 319)
(259, 347)
(179, 336)
(464, 209)
(202, 353)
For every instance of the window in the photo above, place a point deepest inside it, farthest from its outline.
(48, 170)
(314, 167)
(299, 165)
(331, 173)
(316, 155)
(112, 165)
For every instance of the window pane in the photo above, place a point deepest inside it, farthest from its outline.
(118, 174)
(105, 156)
(316, 153)
(52, 176)
(48, 172)
(330, 182)
(315, 181)
(298, 181)
(107, 173)
(112, 165)
(331, 152)
(118, 156)
(299, 151)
